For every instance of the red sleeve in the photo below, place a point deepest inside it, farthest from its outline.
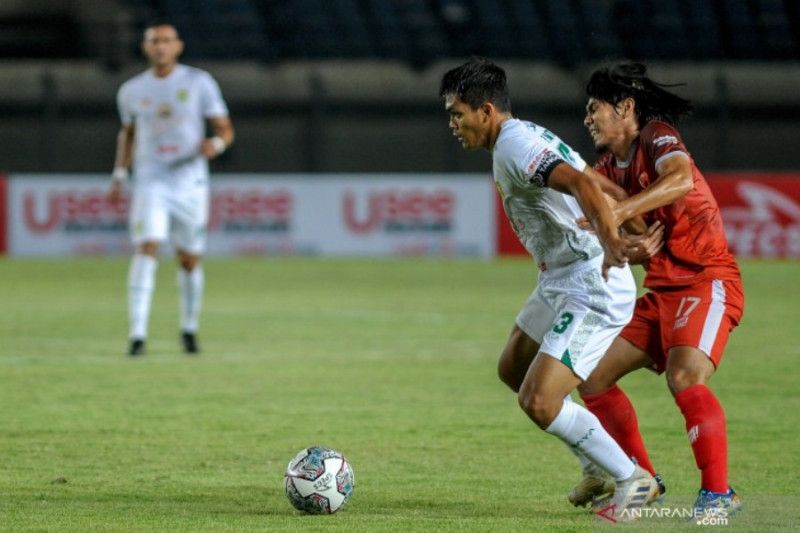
(659, 139)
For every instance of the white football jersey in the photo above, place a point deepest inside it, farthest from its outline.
(543, 218)
(169, 115)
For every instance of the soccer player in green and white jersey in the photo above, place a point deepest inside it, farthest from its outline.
(572, 316)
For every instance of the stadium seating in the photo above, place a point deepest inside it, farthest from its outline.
(563, 32)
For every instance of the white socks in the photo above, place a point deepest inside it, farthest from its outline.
(141, 282)
(581, 430)
(190, 287)
(585, 461)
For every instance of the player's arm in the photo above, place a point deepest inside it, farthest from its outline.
(222, 139)
(122, 161)
(645, 246)
(634, 225)
(673, 182)
(568, 180)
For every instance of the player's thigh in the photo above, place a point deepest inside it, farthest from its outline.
(189, 220)
(542, 392)
(589, 316)
(516, 358)
(701, 316)
(149, 215)
(621, 358)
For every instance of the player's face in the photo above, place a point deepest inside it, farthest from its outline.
(604, 122)
(470, 126)
(162, 46)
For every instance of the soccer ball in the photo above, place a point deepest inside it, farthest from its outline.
(319, 480)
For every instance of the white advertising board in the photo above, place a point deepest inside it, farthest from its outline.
(329, 214)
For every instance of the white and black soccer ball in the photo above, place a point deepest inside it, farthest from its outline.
(319, 480)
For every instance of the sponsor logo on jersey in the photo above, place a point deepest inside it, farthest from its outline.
(540, 168)
(398, 211)
(183, 95)
(164, 111)
(665, 140)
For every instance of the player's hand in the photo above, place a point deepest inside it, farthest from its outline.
(210, 148)
(585, 224)
(116, 192)
(616, 249)
(643, 247)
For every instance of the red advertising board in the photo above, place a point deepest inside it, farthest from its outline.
(761, 213)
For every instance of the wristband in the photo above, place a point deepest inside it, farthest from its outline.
(219, 144)
(120, 174)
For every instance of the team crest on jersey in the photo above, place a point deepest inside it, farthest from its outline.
(164, 111)
(183, 95)
(644, 180)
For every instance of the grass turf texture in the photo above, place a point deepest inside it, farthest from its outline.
(390, 362)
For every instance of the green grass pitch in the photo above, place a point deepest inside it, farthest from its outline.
(392, 362)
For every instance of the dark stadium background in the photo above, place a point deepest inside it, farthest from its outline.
(350, 85)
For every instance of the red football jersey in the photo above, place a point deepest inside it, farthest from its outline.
(695, 248)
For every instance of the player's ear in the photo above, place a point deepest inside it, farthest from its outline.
(487, 109)
(628, 107)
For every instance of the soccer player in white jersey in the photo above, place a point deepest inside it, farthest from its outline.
(573, 314)
(164, 111)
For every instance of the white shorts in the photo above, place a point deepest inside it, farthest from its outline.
(574, 314)
(158, 210)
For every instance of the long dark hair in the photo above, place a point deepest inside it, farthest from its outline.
(629, 80)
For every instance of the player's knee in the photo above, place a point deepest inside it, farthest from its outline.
(541, 409)
(188, 262)
(679, 379)
(148, 248)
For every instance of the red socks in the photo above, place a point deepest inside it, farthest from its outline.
(618, 417)
(705, 426)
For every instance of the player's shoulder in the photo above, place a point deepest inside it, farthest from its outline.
(136, 80)
(659, 132)
(195, 73)
(515, 135)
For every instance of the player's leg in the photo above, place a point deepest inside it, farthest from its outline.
(541, 396)
(148, 227)
(536, 317)
(191, 281)
(606, 400)
(699, 323)
(516, 358)
(189, 208)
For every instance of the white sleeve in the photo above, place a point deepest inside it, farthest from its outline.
(212, 102)
(126, 114)
(533, 162)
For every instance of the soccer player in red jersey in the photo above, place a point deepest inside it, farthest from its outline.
(682, 324)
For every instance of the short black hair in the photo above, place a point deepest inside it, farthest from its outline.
(615, 83)
(475, 82)
(157, 22)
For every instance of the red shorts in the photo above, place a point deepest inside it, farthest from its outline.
(701, 316)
